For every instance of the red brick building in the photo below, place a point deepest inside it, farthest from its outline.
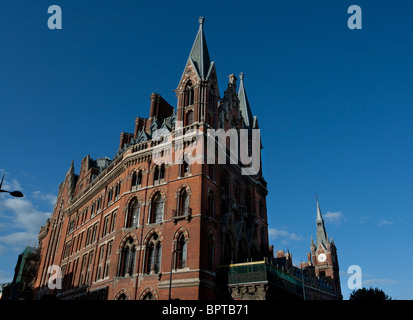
(153, 222)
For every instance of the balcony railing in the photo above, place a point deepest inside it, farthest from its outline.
(180, 214)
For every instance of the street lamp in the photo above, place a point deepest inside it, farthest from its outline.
(17, 194)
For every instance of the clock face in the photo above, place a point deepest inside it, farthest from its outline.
(321, 257)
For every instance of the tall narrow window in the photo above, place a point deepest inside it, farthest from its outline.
(162, 172)
(184, 168)
(134, 179)
(181, 252)
(183, 203)
(211, 172)
(132, 218)
(113, 222)
(189, 117)
(211, 204)
(210, 253)
(156, 175)
(127, 264)
(157, 209)
(153, 255)
(189, 94)
(110, 194)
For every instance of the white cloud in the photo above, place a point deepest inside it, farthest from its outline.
(275, 233)
(383, 222)
(50, 198)
(375, 282)
(334, 217)
(24, 214)
(23, 221)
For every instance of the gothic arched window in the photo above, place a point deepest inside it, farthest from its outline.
(211, 204)
(210, 253)
(189, 118)
(127, 259)
(184, 168)
(189, 94)
(183, 203)
(181, 250)
(132, 218)
(153, 255)
(136, 180)
(157, 207)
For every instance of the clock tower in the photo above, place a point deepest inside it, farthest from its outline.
(324, 254)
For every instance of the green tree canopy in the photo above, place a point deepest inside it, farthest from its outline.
(368, 294)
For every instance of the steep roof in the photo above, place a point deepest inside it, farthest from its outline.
(244, 104)
(199, 52)
(321, 230)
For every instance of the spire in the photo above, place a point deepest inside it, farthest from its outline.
(319, 216)
(244, 104)
(321, 230)
(199, 53)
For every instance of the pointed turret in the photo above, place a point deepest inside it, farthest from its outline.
(70, 181)
(244, 105)
(199, 52)
(321, 230)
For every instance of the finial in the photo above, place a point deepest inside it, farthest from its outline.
(201, 20)
(316, 197)
(241, 76)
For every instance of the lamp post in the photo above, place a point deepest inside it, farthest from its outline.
(17, 194)
(170, 276)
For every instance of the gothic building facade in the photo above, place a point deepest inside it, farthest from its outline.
(153, 223)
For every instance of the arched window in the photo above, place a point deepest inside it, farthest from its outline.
(157, 207)
(153, 255)
(156, 174)
(183, 203)
(127, 261)
(210, 253)
(136, 180)
(132, 218)
(148, 296)
(189, 118)
(159, 174)
(211, 204)
(162, 172)
(122, 297)
(189, 94)
(180, 261)
(184, 168)
(211, 98)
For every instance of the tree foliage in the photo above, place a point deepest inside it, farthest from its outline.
(369, 294)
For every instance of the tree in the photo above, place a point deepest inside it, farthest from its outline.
(368, 294)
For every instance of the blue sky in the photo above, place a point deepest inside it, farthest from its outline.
(335, 108)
